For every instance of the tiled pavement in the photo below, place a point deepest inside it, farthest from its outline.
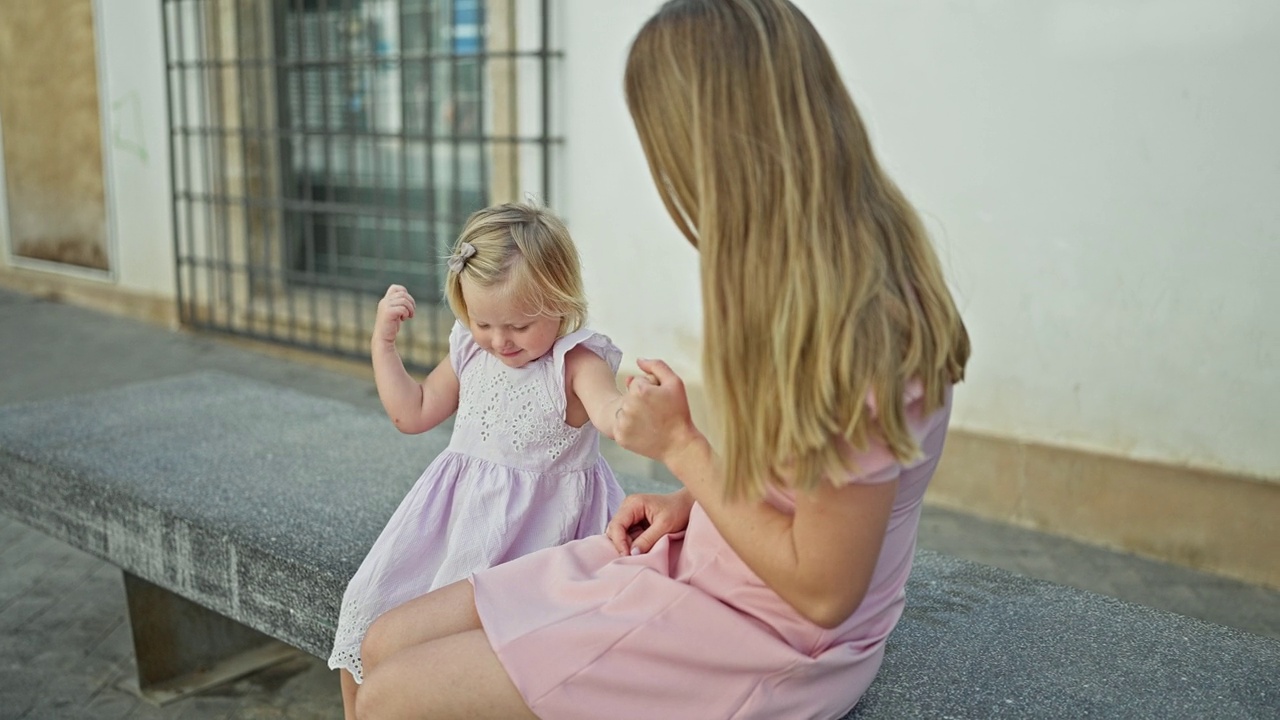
(65, 650)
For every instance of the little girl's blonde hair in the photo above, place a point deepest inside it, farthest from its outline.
(523, 249)
(819, 285)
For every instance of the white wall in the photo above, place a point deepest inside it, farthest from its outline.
(136, 144)
(641, 274)
(1102, 178)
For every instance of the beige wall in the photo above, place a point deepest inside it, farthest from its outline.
(52, 130)
(1212, 521)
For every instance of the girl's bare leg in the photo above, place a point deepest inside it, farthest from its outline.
(456, 676)
(446, 611)
(348, 695)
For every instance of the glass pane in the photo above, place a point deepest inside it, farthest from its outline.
(383, 101)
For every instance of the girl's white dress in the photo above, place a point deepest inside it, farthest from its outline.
(514, 479)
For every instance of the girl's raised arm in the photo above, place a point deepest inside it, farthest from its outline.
(413, 407)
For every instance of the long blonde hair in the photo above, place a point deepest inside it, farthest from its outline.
(819, 285)
(525, 249)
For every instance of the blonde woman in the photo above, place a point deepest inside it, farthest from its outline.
(532, 390)
(766, 587)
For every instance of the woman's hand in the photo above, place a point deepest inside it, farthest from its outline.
(654, 419)
(394, 308)
(642, 520)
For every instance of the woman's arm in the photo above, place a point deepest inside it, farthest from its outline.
(819, 559)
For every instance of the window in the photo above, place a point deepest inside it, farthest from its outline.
(323, 149)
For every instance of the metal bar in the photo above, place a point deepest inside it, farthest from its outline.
(270, 225)
(325, 349)
(352, 135)
(330, 241)
(336, 208)
(546, 102)
(513, 102)
(403, 195)
(375, 147)
(358, 59)
(345, 284)
(192, 154)
(287, 132)
(482, 70)
(305, 220)
(433, 264)
(455, 191)
(211, 313)
(167, 18)
(220, 178)
(273, 224)
(241, 96)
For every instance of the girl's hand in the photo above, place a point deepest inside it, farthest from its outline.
(393, 309)
(654, 419)
(642, 520)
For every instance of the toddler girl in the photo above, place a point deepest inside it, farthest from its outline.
(531, 388)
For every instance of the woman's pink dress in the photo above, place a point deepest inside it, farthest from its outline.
(687, 630)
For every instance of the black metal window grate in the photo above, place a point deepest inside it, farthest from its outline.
(323, 149)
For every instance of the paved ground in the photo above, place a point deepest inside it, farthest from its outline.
(64, 639)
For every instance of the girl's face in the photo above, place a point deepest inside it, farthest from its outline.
(507, 328)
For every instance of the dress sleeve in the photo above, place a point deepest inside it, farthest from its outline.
(872, 465)
(876, 463)
(597, 343)
(462, 347)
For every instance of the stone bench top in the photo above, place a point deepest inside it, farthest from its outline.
(979, 642)
(259, 502)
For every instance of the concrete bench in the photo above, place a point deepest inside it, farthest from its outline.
(237, 511)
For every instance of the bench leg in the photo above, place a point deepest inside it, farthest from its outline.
(183, 648)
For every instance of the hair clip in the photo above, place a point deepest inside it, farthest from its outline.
(533, 199)
(459, 259)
